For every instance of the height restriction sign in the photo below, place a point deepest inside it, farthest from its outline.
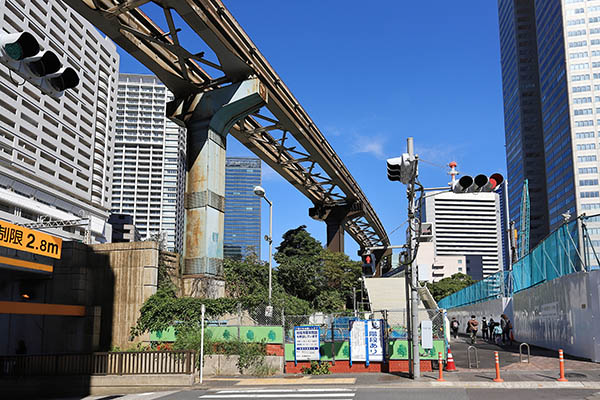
(25, 239)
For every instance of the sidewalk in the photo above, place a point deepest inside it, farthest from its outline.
(541, 359)
(581, 379)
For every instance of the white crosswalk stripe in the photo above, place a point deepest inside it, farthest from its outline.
(312, 394)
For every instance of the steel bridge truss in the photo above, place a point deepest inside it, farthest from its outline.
(282, 134)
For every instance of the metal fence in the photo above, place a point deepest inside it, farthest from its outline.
(557, 255)
(490, 287)
(113, 363)
(335, 327)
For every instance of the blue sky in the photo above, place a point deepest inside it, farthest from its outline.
(370, 76)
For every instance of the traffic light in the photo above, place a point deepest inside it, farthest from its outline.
(368, 264)
(22, 53)
(481, 183)
(401, 169)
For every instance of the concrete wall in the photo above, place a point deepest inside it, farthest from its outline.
(489, 309)
(135, 269)
(562, 313)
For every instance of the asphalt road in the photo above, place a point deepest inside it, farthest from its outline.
(352, 393)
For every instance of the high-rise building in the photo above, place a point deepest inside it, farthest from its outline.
(149, 178)
(523, 121)
(467, 224)
(242, 207)
(56, 156)
(504, 223)
(550, 51)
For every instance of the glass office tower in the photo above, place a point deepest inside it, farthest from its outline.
(550, 55)
(525, 155)
(242, 207)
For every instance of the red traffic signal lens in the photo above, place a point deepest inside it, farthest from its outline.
(368, 259)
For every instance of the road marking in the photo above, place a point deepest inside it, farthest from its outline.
(282, 390)
(299, 381)
(277, 396)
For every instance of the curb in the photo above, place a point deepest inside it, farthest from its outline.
(465, 385)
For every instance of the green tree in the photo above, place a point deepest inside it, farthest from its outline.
(299, 258)
(245, 277)
(447, 286)
(298, 243)
(340, 274)
(317, 275)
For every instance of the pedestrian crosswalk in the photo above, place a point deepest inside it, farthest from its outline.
(296, 394)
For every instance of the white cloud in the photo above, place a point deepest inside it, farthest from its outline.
(369, 144)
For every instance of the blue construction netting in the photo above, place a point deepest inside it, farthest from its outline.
(555, 256)
(487, 288)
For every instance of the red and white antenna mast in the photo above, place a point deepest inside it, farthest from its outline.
(453, 172)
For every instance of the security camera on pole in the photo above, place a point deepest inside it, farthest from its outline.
(404, 169)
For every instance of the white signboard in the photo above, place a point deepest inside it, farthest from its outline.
(426, 334)
(358, 348)
(366, 340)
(306, 343)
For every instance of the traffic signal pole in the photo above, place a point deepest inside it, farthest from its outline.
(412, 268)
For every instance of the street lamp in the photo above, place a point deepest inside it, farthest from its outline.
(260, 192)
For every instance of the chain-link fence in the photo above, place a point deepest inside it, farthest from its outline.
(274, 326)
(335, 327)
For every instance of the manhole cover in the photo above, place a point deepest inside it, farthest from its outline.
(575, 375)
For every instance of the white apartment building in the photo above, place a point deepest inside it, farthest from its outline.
(56, 156)
(466, 224)
(149, 180)
(436, 268)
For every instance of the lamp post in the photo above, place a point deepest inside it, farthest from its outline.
(260, 192)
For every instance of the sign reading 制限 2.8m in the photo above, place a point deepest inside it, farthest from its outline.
(25, 239)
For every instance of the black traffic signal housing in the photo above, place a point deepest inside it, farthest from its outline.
(21, 52)
(481, 183)
(368, 264)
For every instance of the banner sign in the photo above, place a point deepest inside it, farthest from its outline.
(25, 239)
(307, 342)
(426, 334)
(366, 341)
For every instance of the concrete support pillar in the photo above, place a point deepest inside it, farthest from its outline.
(334, 217)
(208, 117)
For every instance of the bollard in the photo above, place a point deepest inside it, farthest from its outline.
(497, 379)
(441, 368)
(561, 362)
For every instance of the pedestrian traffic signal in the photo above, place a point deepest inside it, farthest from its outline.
(401, 169)
(368, 264)
(21, 52)
(481, 183)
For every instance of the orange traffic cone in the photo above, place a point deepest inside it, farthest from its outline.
(450, 366)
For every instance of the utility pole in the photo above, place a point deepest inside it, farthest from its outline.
(412, 268)
(404, 169)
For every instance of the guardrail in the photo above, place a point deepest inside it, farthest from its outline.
(108, 363)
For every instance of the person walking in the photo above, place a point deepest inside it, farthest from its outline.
(473, 326)
(491, 328)
(454, 324)
(484, 329)
(497, 333)
(506, 336)
(503, 325)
